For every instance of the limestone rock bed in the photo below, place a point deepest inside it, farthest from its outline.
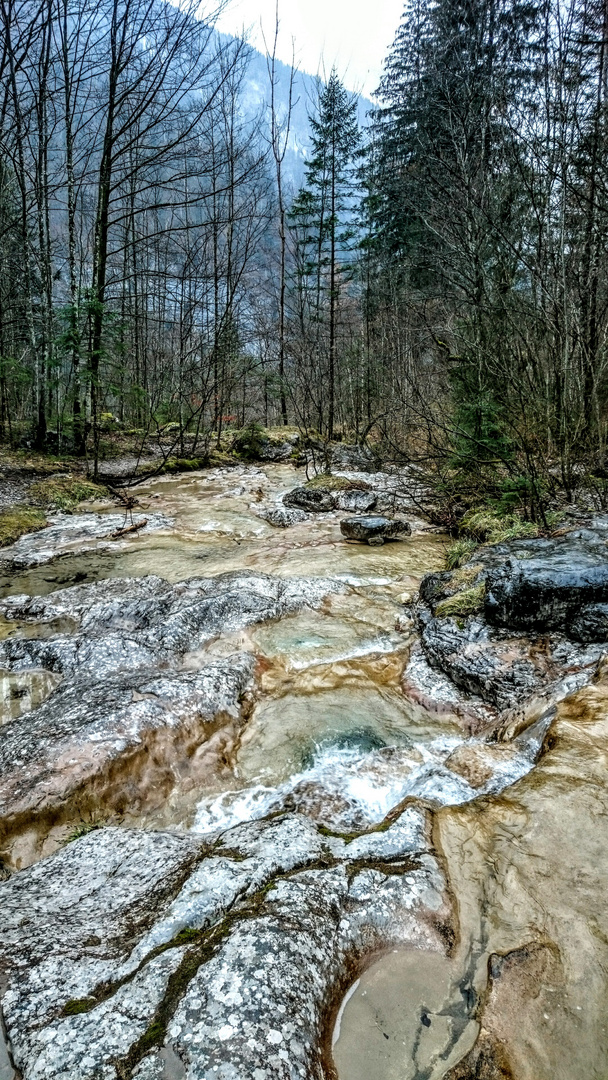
(242, 760)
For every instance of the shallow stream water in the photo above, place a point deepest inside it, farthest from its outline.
(331, 733)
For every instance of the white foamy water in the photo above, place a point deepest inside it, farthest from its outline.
(346, 787)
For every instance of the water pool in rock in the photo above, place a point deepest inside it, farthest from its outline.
(406, 1018)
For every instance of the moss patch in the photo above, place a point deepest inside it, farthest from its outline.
(464, 603)
(83, 830)
(465, 576)
(326, 482)
(65, 494)
(78, 1005)
(16, 521)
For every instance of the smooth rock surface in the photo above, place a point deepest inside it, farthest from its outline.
(529, 874)
(68, 532)
(134, 623)
(119, 745)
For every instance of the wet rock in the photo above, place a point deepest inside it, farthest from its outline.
(490, 626)
(591, 624)
(374, 529)
(432, 689)
(282, 516)
(479, 762)
(358, 502)
(128, 624)
(315, 500)
(120, 745)
(503, 669)
(543, 584)
(70, 532)
(531, 890)
(501, 672)
(134, 947)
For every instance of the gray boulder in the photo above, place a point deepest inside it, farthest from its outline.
(128, 950)
(479, 625)
(282, 517)
(358, 502)
(374, 529)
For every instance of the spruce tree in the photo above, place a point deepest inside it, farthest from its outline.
(322, 215)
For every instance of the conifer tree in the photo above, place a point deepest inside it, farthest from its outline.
(322, 216)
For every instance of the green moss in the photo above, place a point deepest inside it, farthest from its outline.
(186, 936)
(64, 494)
(175, 465)
(221, 457)
(326, 481)
(466, 602)
(18, 520)
(249, 441)
(78, 1005)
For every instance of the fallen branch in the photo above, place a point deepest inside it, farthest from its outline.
(135, 527)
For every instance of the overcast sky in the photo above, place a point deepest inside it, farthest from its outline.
(352, 34)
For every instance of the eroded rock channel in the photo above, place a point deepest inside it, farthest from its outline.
(279, 805)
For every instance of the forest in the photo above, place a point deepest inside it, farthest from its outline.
(436, 288)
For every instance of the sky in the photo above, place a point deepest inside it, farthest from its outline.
(353, 35)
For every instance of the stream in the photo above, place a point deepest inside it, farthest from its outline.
(331, 732)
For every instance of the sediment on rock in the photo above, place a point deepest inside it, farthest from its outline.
(123, 745)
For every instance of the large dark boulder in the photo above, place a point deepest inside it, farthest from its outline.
(373, 529)
(545, 586)
(319, 500)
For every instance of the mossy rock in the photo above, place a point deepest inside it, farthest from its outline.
(16, 521)
(177, 465)
(249, 441)
(327, 482)
(462, 604)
